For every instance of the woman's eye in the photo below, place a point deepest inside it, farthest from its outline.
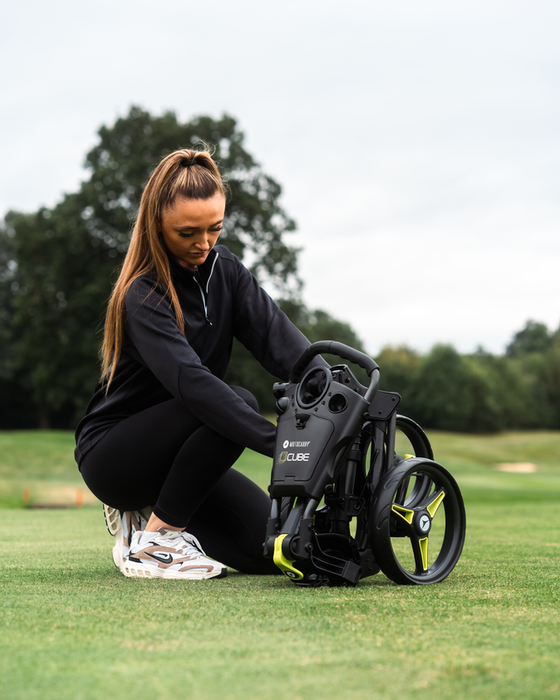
(183, 234)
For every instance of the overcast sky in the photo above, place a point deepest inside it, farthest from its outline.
(417, 143)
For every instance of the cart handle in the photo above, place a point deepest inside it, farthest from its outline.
(333, 347)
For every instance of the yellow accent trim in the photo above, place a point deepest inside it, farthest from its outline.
(423, 543)
(409, 456)
(285, 565)
(435, 504)
(404, 513)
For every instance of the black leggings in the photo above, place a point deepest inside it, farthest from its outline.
(167, 458)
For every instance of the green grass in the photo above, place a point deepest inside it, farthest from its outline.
(43, 463)
(472, 459)
(74, 628)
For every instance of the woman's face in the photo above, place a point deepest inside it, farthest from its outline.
(191, 228)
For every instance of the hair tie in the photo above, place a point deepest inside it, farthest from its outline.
(185, 163)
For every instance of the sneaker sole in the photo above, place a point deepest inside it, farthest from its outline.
(112, 519)
(118, 559)
(132, 570)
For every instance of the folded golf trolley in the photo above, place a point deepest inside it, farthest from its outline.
(344, 504)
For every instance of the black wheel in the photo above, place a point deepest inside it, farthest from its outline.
(417, 540)
(417, 437)
(421, 447)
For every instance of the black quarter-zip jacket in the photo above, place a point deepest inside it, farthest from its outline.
(220, 300)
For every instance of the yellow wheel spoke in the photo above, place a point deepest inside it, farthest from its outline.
(404, 513)
(423, 544)
(435, 504)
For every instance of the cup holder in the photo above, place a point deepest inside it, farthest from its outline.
(337, 403)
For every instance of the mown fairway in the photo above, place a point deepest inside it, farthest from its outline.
(74, 628)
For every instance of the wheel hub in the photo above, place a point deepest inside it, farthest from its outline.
(422, 523)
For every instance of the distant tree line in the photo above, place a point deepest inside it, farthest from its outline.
(480, 392)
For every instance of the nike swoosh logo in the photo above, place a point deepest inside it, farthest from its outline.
(163, 557)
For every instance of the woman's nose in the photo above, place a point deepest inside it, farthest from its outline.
(203, 242)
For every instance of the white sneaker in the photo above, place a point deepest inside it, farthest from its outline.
(170, 554)
(122, 525)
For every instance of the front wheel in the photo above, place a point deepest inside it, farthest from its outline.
(417, 541)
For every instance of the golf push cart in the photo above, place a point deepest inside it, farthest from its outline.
(344, 504)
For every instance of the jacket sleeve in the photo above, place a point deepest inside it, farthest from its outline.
(265, 329)
(152, 327)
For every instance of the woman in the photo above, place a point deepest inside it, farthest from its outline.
(162, 430)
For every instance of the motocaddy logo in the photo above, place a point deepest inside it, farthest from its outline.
(286, 456)
(424, 523)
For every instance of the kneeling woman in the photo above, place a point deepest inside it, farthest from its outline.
(163, 430)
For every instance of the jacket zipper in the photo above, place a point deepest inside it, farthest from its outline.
(207, 286)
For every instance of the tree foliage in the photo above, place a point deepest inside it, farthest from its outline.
(480, 393)
(452, 392)
(534, 337)
(54, 289)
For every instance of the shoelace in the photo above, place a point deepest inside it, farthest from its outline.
(189, 545)
(193, 543)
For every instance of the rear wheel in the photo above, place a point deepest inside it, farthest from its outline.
(421, 447)
(417, 522)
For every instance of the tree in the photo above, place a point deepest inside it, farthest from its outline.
(16, 405)
(54, 288)
(534, 337)
(399, 368)
(534, 354)
(552, 380)
(57, 265)
(453, 393)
